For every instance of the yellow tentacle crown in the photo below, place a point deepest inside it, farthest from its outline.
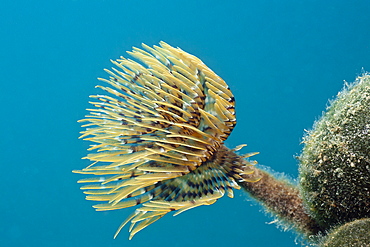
(158, 137)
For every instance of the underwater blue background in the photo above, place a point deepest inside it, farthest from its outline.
(282, 59)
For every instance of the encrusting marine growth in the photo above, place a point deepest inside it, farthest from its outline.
(159, 132)
(335, 161)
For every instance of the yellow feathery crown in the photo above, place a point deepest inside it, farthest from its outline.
(158, 137)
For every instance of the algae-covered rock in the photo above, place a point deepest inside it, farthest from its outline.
(335, 161)
(353, 234)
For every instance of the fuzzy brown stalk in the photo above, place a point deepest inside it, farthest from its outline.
(281, 199)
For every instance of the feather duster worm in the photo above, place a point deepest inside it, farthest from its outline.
(159, 137)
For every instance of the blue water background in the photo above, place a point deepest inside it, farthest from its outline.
(282, 59)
